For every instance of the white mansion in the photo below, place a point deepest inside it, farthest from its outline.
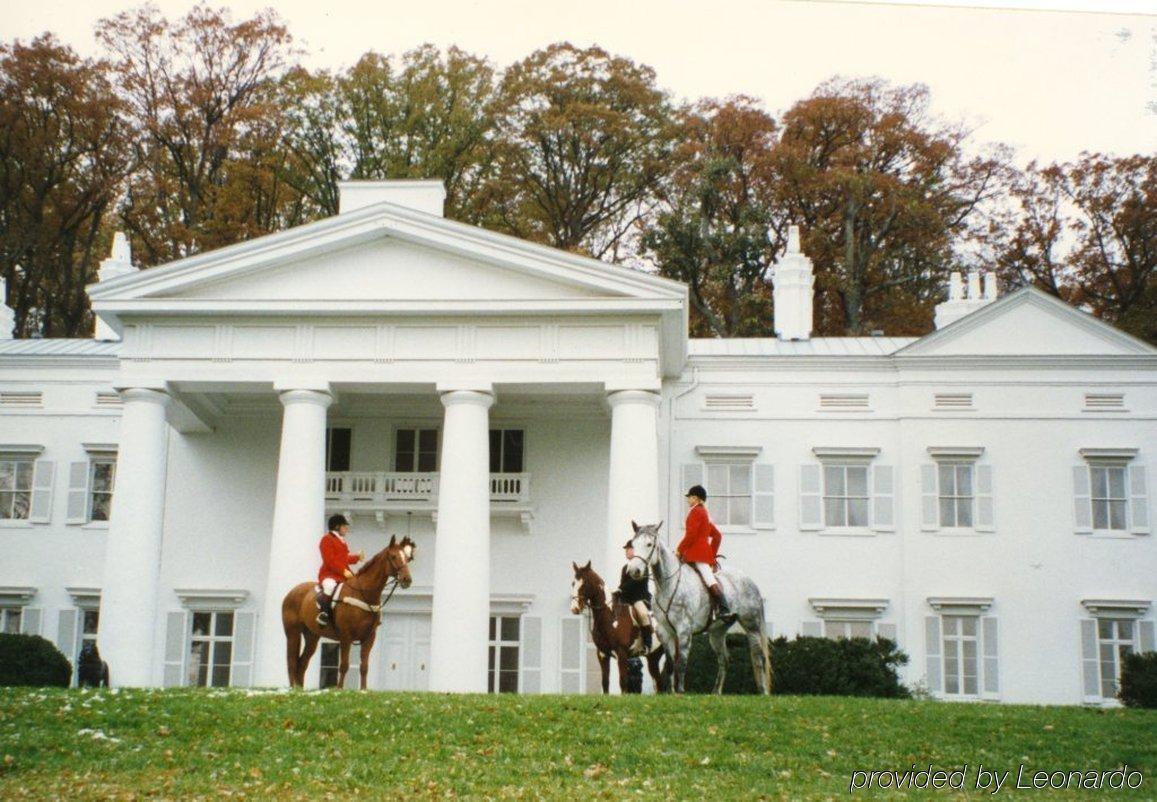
(978, 494)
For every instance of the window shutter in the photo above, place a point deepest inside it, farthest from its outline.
(1082, 500)
(30, 621)
(66, 637)
(886, 631)
(988, 632)
(243, 632)
(930, 502)
(763, 496)
(43, 473)
(570, 662)
(1139, 499)
(984, 511)
(530, 653)
(77, 493)
(812, 629)
(1145, 630)
(176, 648)
(932, 653)
(1091, 668)
(883, 498)
(692, 474)
(809, 497)
(353, 677)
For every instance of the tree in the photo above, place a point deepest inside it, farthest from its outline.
(718, 228)
(582, 142)
(63, 154)
(1086, 231)
(199, 93)
(885, 195)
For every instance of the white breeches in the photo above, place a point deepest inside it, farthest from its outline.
(642, 614)
(328, 585)
(705, 571)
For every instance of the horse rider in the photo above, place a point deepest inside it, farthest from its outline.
(335, 565)
(699, 547)
(637, 594)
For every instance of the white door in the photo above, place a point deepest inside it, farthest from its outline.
(405, 653)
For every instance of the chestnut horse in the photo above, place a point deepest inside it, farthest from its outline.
(612, 631)
(356, 612)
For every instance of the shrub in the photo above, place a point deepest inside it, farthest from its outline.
(1139, 680)
(847, 667)
(31, 660)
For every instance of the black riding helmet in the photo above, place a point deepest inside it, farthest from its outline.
(336, 521)
(698, 492)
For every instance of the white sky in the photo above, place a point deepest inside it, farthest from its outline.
(1051, 83)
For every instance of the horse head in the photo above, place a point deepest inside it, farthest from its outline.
(586, 587)
(400, 555)
(645, 544)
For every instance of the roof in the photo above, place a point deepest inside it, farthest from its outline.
(817, 346)
(61, 347)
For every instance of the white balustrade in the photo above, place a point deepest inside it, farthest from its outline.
(381, 487)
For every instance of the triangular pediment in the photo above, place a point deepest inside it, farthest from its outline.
(1028, 322)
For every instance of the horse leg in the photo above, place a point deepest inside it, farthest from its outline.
(311, 641)
(624, 670)
(605, 666)
(344, 663)
(367, 646)
(653, 666)
(717, 636)
(292, 650)
(760, 664)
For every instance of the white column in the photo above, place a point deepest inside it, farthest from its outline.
(633, 483)
(298, 522)
(128, 603)
(461, 612)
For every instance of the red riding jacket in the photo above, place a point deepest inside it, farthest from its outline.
(701, 541)
(335, 557)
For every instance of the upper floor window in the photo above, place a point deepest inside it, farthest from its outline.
(957, 490)
(15, 488)
(91, 485)
(740, 491)
(101, 482)
(845, 495)
(337, 448)
(416, 450)
(506, 451)
(1109, 493)
(846, 491)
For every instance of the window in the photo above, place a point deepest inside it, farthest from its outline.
(1109, 493)
(331, 660)
(102, 477)
(1109, 498)
(416, 450)
(15, 488)
(502, 676)
(730, 493)
(10, 620)
(845, 495)
(89, 624)
(956, 495)
(740, 491)
(211, 649)
(836, 628)
(337, 449)
(961, 648)
(506, 447)
(1114, 641)
(1118, 628)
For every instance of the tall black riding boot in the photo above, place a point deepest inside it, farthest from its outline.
(648, 632)
(325, 608)
(722, 611)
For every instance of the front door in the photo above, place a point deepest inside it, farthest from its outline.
(405, 655)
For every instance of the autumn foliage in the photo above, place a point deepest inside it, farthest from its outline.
(198, 132)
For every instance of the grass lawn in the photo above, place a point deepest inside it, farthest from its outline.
(74, 745)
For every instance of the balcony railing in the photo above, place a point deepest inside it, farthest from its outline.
(371, 488)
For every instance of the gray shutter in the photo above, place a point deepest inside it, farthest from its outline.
(810, 515)
(1139, 505)
(77, 493)
(883, 498)
(66, 637)
(30, 620)
(353, 677)
(42, 476)
(988, 632)
(929, 498)
(243, 633)
(933, 668)
(811, 629)
(176, 648)
(763, 496)
(1145, 639)
(1089, 663)
(530, 653)
(691, 474)
(570, 661)
(984, 507)
(1082, 500)
(886, 631)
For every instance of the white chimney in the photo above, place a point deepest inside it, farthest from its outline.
(959, 302)
(422, 196)
(7, 314)
(119, 263)
(792, 282)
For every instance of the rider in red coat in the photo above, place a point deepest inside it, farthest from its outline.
(335, 564)
(700, 546)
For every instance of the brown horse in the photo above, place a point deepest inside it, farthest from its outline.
(355, 614)
(613, 631)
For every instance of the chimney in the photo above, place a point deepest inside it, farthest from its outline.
(119, 263)
(792, 281)
(961, 303)
(421, 196)
(7, 314)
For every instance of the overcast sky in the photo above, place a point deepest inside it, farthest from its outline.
(1051, 83)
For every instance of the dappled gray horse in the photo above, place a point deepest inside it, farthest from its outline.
(682, 608)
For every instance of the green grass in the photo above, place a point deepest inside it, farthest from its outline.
(262, 745)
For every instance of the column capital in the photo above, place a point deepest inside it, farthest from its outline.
(479, 398)
(149, 395)
(316, 397)
(617, 397)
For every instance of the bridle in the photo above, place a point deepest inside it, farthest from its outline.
(678, 574)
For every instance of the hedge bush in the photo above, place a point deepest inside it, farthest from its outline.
(1139, 680)
(30, 660)
(811, 666)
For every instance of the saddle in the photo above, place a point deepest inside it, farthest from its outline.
(339, 598)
